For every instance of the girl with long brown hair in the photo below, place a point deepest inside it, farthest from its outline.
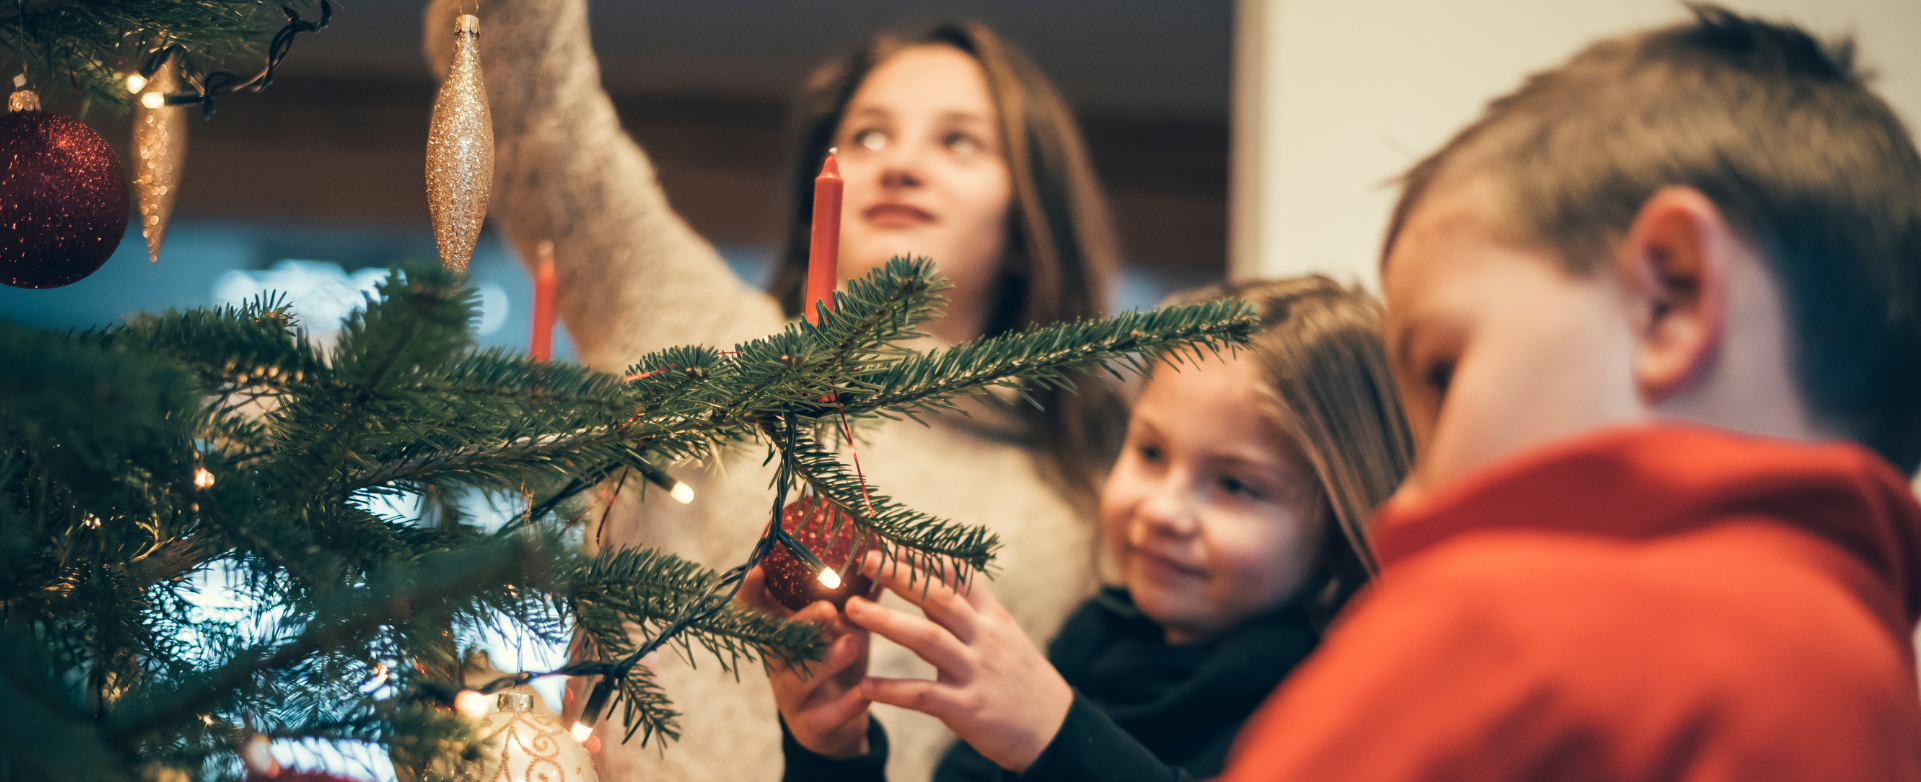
(953, 146)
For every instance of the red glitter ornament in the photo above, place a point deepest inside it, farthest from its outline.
(63, 200)
(812, 522)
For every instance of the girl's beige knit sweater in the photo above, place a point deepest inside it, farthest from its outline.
(634, 278)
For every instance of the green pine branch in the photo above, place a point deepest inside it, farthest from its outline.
(925, 542)
(621, 588)
(398, 598)
(1044, 356)
(138, 458)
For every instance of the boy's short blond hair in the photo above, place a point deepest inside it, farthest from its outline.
(1777, 128)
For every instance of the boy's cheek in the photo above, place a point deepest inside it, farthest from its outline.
(1499, 403)
(1560, 371)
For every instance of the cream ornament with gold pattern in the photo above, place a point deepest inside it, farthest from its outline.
(525, 744)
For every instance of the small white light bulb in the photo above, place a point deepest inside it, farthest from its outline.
(202, 479)
(471, 704)
(153, 100)
(829, 578)
(682, 493)
(581, 731)
(136, 82)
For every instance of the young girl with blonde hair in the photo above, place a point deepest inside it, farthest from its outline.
(1237, 519)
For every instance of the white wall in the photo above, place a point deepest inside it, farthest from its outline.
(1334, 98)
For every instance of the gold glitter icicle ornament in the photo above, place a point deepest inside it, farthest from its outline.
(527, 745)
(460, 151)
(159, 150)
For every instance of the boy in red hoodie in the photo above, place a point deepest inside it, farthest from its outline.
(1641, 313)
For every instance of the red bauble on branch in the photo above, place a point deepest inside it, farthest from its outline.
(63, 200)
(812, 522)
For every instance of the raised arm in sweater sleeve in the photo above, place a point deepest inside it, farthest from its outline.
(633, 276)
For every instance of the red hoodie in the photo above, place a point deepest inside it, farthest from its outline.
(1654, 603)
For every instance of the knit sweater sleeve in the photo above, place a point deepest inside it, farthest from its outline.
(633, 276)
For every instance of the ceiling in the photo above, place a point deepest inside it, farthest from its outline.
(1151, 58)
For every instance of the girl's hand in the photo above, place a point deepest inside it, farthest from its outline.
(996, 690)
(823, 704)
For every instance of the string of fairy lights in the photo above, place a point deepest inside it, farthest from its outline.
(211, 86)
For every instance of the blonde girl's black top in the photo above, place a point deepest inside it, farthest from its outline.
(1143, 709)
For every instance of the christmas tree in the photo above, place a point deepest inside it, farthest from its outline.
(135, 458)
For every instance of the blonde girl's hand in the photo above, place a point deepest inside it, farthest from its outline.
(995, 690)
(822, 702)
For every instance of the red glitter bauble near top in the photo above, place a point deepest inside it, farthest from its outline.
(63, 200)
(811, 522)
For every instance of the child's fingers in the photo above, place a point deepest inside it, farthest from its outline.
(931, 642)
(931, 596)
(985, 603)
(834, 628)
(844, 651)
(838, 710)
(927, 697)
(819, 612)
(753, 593)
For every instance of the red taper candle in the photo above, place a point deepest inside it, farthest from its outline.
(823, 255)
(541, 344)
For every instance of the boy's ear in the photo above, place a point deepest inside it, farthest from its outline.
(1674, 267)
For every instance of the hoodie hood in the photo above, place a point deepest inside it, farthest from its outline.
(1647, 482)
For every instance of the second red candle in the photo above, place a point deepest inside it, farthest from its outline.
(823, 254)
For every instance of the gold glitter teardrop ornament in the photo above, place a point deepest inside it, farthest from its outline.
(460, 151)
(159, 151)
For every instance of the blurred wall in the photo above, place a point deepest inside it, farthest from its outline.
(1334, 100)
